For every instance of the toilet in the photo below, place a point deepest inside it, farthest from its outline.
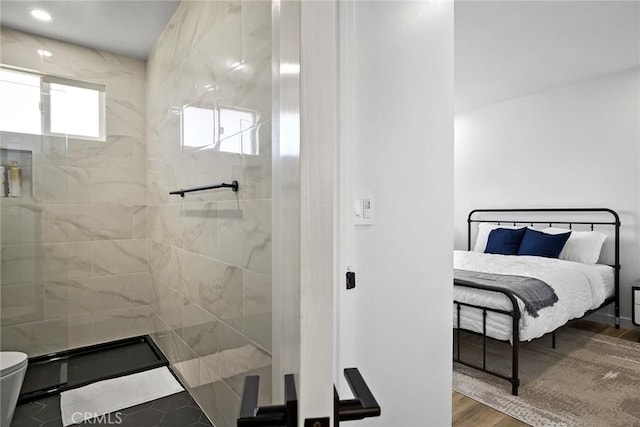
(13, 366)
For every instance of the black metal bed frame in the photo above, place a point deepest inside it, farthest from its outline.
(515, 313)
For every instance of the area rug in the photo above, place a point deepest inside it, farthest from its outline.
(588, 380)
(105, 397)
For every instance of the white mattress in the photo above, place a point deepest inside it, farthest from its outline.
(579, 287)
(606, 271)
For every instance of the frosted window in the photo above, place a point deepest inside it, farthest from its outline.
(198, 125)
(237, 133)
(49, 105)
(20, 102)
(226, 129)
(75, 110)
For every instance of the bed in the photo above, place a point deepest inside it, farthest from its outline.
(486, 305)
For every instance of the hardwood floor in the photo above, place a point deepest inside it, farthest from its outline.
(600, 328)
(469, 413)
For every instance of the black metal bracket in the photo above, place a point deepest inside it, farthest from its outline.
(351, 279)
(234, 186)
(364, 405)
(634, 302)
(250, 414)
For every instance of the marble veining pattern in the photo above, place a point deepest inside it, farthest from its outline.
(20, 304)
(119, 256)
(74, 256)
(210, 252)
(102, 251)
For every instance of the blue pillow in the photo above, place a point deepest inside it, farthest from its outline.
(504, 241)
(538, 243)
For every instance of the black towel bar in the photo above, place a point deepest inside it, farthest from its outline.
(233, 186)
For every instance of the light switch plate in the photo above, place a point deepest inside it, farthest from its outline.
(363, 208)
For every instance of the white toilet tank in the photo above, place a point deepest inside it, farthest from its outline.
(13, 366)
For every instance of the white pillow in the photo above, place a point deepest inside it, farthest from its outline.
(484, 228)
(582, 246)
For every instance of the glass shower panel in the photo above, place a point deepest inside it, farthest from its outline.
(34, 254)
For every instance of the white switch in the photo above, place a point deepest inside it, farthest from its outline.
(367, 208)
(363, 208)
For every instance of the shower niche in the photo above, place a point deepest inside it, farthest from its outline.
(23, 159)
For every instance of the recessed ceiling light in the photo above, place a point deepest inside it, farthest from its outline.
(40, 15)
(45, 53)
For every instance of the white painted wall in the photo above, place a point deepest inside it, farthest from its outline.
(397, 141)
(576, 146)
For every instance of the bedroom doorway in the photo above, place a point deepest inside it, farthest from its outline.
(543, 89)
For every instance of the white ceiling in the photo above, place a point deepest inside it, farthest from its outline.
(125, 27)
(508, 49)
(503, 49)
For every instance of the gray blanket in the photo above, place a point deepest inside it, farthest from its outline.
(535, 293)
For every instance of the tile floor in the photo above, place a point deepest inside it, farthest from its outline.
(177, 410)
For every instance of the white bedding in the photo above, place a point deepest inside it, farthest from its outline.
(579, 287)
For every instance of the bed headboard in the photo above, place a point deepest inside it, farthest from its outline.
(544, 216)
(556, 216)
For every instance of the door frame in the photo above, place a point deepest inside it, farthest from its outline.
(304, 201)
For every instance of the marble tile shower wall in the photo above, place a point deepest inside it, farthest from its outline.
(74, 251)
(210, 253)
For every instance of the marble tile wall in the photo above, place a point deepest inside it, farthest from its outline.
(74, 249)
(210, 253)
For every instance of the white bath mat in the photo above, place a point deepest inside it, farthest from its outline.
(112, 395)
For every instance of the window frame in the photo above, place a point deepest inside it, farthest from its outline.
(216, 144)
(255, 143)
(216, 119)
(45, 102)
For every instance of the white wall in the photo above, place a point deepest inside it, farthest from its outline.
(576, 146)
(397, 141)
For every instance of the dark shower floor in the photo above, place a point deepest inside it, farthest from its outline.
(45, 379)
(177, 410)
(48, 375)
